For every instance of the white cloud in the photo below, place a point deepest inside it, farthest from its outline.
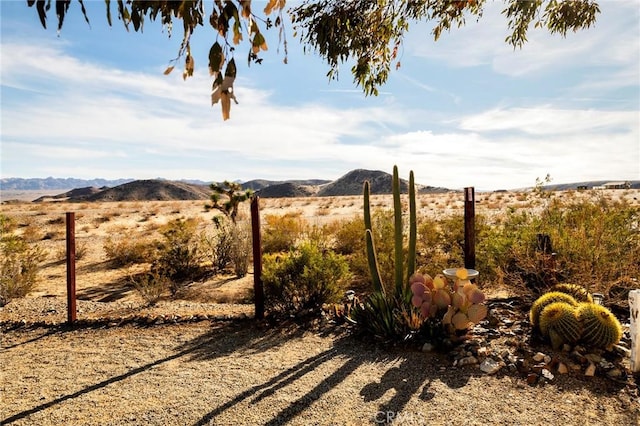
(612, 41)
(74, 117)
(547, 120)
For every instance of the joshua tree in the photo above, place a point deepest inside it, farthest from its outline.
(235, 195)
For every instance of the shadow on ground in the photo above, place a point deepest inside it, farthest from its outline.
(413, 376)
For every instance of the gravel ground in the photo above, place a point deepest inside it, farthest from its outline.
(239, 372)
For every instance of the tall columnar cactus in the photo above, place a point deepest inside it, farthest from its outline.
(559, 322)
(600, 328)
(386, 315)
(401, 289)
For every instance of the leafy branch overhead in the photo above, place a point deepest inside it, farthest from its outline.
(369, 34)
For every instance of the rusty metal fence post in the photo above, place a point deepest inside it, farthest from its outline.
(469, 228)
(71, 267)
(258, 289)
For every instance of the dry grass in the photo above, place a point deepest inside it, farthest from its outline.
(43, 224)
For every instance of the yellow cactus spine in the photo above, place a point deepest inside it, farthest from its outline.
(543, 301)
(558, 322)
(600, 328)
(576, 291)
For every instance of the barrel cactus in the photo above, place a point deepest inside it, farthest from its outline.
(547, 299)
(576, 291)
(559, 323)
(600, 328)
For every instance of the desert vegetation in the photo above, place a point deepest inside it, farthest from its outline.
(171, 256)
(594, 236)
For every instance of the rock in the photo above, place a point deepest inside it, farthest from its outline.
(428, 347)
(491, 366)
(482, 351)
(562, 368)
(622, 351)
(591, 370)
(614, 373)
(566, 347)
(547, 359)
(547, 374)
(539, 357)
(468, 360)
(594, 358)
(532, 378)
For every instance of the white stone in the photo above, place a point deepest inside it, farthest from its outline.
(547, 374)
(491, 366)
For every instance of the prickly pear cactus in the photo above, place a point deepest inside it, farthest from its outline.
(547, 299)
(559, 323)
(576, 291)
(600, 328)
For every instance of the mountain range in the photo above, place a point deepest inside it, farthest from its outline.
(164, 190)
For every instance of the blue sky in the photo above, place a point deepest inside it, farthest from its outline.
(468, 110)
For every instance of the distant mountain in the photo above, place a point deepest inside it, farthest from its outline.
(379, 183)
(159, 189)
(139, 190)
(287, 190)
(56, 183)
(258, 184)
(352, 183)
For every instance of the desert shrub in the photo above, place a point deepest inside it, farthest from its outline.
(81, 251)
(230, 245)
(281, 232)
(241, 248)
(8, 224)
(349, 236)
(179, 254)
(18, 267)
(219, 245)
(303, 279)
(151, 286)
(596, 243)
(124, 250)
(349, 241)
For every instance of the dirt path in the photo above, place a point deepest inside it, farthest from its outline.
(236, 373)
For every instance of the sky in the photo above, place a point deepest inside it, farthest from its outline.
(467, 110)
